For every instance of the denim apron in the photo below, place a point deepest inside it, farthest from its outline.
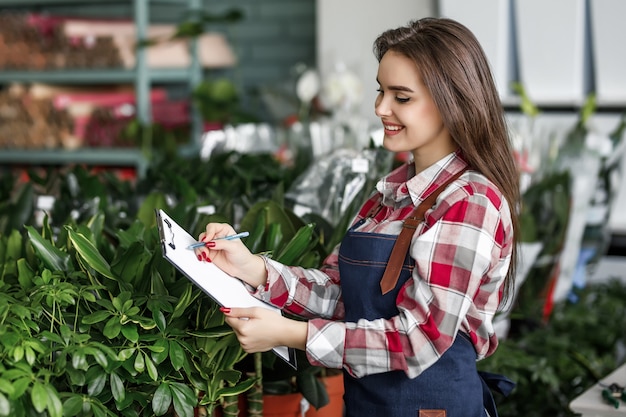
(452, 383)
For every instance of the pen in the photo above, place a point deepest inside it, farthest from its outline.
(231, 237)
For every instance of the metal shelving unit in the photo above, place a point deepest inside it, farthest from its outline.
(141, 76)
(105, 157)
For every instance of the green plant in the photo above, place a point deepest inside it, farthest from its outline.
(554, 362)
(280, 234)
(544, 218)
(102, 325)
(17, 204)
(218, 101)
(103, 310)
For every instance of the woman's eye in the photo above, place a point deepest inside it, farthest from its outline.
(402, 100)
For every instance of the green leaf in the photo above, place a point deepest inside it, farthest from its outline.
(53, 258)
(96, 224)
(312, 389)
(14, 246)
(163, 352)
(73, 405)
(20, 385)
(117, 387)
(153, 201)
(297, 246)
(55, 407)
(39, 396)
(184, 399)
(151, 367)
(96, 317)
(162, 399)
(130, 332)
(140, 363)
(588, 108)
(30, 355)
(112, 328)
(98, 355)
(89, 253)
(6, 386)
(96, 385)
(184, 301)
(18, 353)
(177, 355)
(527, 106)
(274, 238)
(5, 406)
(130, 265)
(125, 354)
(240, 388)
(159, 319)
(188, 29)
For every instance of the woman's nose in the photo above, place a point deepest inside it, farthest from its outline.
(381, 107)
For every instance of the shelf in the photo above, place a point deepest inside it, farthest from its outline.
(603, 105)
(141, 76)
(89, 76)
(89, 156)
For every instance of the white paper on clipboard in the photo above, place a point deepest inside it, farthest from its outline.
(224, 289)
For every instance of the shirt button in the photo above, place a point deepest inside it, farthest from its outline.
(404, 189)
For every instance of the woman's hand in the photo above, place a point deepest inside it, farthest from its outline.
(231, 256)
(259, 329)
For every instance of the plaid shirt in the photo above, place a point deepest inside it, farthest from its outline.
(461, 252)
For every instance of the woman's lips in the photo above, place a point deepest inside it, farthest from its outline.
(392, 129)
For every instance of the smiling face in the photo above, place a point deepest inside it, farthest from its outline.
(406, 108)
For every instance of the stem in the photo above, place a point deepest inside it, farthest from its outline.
(255, 395)
(54, 305)
(230, 406)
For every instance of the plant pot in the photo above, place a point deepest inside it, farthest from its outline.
(284, 405)
(291, 405)
(287, 405)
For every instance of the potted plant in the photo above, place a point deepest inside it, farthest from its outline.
(556, 361)
(280, 234)
(100, 239)
(99, 324)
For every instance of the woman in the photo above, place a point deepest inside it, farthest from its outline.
(406, 321)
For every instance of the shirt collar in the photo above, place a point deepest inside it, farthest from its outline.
(402, 183)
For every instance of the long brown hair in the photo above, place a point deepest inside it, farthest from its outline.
(455, 70)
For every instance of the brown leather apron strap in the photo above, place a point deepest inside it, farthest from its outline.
(401, 247)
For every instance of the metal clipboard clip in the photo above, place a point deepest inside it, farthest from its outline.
(162, 232)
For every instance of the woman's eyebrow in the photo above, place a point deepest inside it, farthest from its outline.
(397, 87)
(400, 88)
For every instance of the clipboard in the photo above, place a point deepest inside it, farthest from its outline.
(224, 289)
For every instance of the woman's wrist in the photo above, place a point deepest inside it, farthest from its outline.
(257, 272)
(295, 334)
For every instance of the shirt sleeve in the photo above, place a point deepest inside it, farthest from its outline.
(455, 284)
(306, 293)
(309, 293)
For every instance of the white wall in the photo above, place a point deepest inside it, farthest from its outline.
(346, 30)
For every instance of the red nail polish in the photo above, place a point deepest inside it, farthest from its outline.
(199, 257)
(210, 244)
(225, 310)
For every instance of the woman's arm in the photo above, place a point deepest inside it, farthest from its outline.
(461, 262)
